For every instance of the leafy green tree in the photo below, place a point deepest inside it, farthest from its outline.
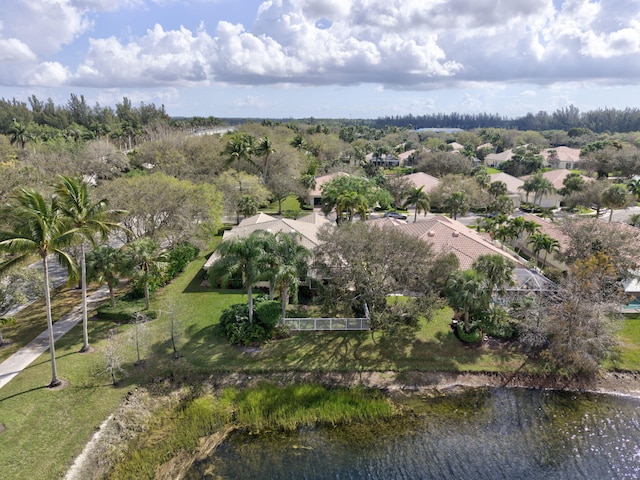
(146, 262)
(616, 196)
(419, 199)
(19, 135)
(350, 204)
(89, 219)
(332, 191)
(497, 189)
(572, 183)
(38, 228)
(244, 256)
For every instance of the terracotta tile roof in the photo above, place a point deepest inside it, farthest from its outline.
(512, 182)
(554, 230)
(421, 179)
(317, 191)
(448, 235)
(564, 154)
(557, 176)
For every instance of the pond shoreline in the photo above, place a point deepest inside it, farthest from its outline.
(115, 432)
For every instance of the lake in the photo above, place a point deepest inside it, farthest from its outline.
(487, 433)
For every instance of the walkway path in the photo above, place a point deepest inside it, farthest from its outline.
(20, 360)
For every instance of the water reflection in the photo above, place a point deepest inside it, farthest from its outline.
(479, 434)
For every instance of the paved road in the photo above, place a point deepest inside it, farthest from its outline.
(20, 360)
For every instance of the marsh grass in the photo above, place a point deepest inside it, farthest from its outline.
(266, 407)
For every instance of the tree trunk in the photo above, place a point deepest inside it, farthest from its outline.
(284, 300)
(610, 214)
(146, 295)
(112, 296)
(55, 381)
(85, 318)
(250, 300)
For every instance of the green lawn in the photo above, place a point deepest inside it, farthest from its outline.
(53, 426)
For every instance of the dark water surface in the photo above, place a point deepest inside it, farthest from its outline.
(479, 434)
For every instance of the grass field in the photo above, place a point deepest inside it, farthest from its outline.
(53, 426)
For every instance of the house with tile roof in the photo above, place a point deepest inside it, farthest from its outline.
(448, 235)
(494, 160)
(547, 227)
(306, 227)
(556, 178)
(314, 195)
(561, 157)
(424, 180)
(513, 186)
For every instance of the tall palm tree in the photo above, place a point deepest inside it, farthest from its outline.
(528, 188)
(264, 148)
(146, 262)
(89, 219)
(352, 203)
(542, 242)
(292, 257)
(244, 256)
(420, 200)
(240, 146)
(39, 229)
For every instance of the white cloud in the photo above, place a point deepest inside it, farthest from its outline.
(399, 44)
(48, 73)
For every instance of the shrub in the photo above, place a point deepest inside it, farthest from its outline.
(179, 257)
(268, 314)
(474, 336)
(235, 322)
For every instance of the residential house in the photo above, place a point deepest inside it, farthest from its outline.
(547, 227)
(513, 186)
(424, 180)
(556, 177)
(494, 160)
(561, 157)
(314, 195)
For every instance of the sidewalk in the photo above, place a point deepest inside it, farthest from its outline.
(20, 360)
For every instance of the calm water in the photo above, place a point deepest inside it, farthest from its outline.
(480, 434)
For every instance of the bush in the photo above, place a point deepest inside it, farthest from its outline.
(179, 257)
(474, 336)
(235, 322)
(268, 314)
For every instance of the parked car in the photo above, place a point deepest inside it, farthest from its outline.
(397, 215)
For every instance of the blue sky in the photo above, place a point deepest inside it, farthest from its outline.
(325, 58)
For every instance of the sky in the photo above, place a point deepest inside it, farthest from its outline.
(325, 58)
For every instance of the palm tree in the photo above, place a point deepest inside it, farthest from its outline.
(19, 134)
(351, 203)
(497, 189)
(244, 256)
(40, 229)
(103, 265)
(291, 259)
(239, 147)
(265, 149)
(542, 242)
(420, 200)
(88, 219)
(145, 260)
(497, 271)
(466, 294)
(528, 187)
(634, 220)
(634, 188)
(615, 196)
(456, 204)
(541, 187)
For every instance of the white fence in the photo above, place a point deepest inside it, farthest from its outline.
(315, 324)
